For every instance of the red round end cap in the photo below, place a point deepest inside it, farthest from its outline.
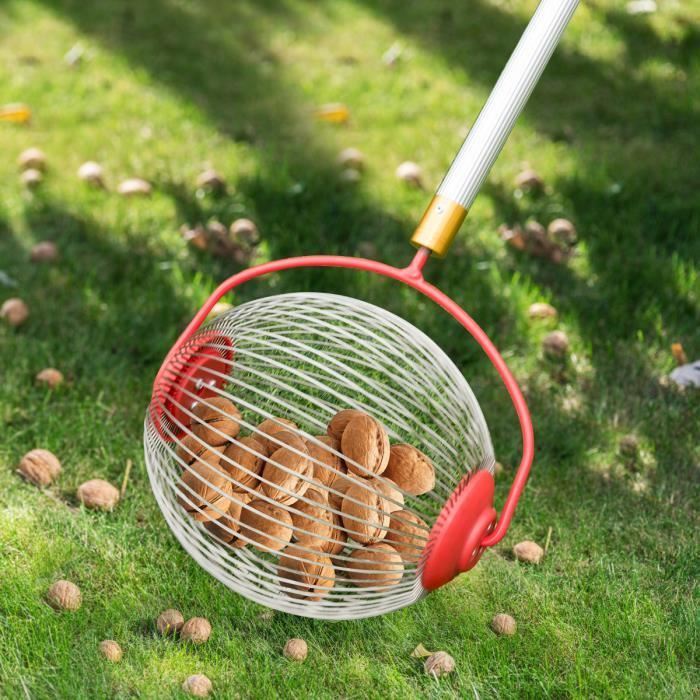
(196, 369)
(454, 545)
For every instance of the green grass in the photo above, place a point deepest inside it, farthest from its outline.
(168, 86)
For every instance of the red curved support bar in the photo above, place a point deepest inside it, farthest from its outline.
(413, 277)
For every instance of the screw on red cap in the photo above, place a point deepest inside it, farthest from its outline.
(454, 545)
(199, 368)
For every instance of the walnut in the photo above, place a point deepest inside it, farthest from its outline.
(312, 574)
(31, 178)
(226, 527)
(365, 445)
(375, 565)
(215, 420)
(503, 624)
(14, 311)
(365, 514)
(40, 467)
(351, 158)
(196, 630)
(244, 231)
(64, 595)
(242, 464)
(98, 494)
(439, 664)
(92, 173)
(394, 497)
(134, 186)
(50, 377)
(211, 180)
(541, 310)
(204, 488)
(337, 539)
(318, 453)
(529, 180)
(32, 158)
(562, 231)
(111, 650)
(410, 470)
(45, 251)
(287, 475)
(268, 525)
(340, 420)
(191, 448)
(296, 649)
(169, 622)
(411, 173)
(529, 552)
(270, 426)
(313, 525)
(408, 535)
(198, 685)
(556, 344)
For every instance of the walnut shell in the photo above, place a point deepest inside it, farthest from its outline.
(198, 488)
(50, 377)
(503, 624)
(31, 178)
(296, 649)
(314, 524)
(290, 479)
(92, 173)
(242, 465)
(226, 527)
(410, 470)
(338, 538)
(190, 449)
(134, 186)
(111, 650)
(556, 344)
(394, 497)
(311, 579)
(196, 629)
(170, 621)
(439, 664)
(270, 426)
(197, 685)
(269, 533)
(33, 158)
(408, 535)
(365, 514)
(286, 438)
(14, 311)
(98, 494)
(44, 251)
(341, 484)
(210, 180)
(64, 595)
(365, 445)
(337, 424)
(529, 552)
(318, 453)
(376, 565)
(220, 416)
(40, 467)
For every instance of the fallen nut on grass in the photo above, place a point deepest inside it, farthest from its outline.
(308, 574)
(267, 525)
(196, 630)
(556, 344)
(205, 488)
(64, 595)
(340, 420)
(215, 420)
(408, 535)
(31, 178)
(98, 494)
(111, 651)
(322, 453)
(351, 158)
(439, 664)
(562, 231)
(541, 310)
(14, 311)
(296, 649)
(50, 377)
(92, 173)
(365, 445)
(134, 186)
(244, 461)
(32, 158)
(40, 467)
(198, 685)
(376, 565)
(270, 426)
(287, 475)
(244, 231)
(528, 551)
(528, 179)
(210, 180)
(44, 251)
(169, 622)
(410, 173)
(365, 514)
(410, 470)
(629, 445)
(503, 624)
(350, 175)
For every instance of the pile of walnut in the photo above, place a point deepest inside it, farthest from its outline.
(323, 504)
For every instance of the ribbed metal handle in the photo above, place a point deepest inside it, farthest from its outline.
(495, 121)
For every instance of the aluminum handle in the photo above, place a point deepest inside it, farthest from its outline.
(493, 125)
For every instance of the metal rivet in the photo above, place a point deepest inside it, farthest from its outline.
(198, 384)
(194, 405)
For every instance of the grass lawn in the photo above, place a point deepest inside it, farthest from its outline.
(168, 86)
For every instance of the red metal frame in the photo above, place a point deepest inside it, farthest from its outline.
(413, 277)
